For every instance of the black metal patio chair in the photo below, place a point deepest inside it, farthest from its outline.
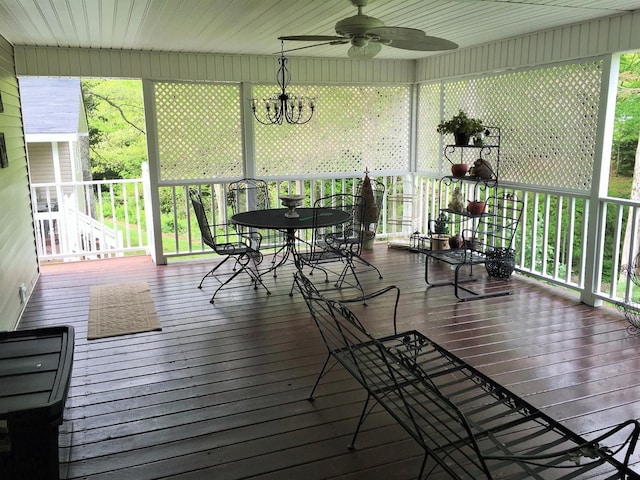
(243, 248)
(336, 243)
(249, 194)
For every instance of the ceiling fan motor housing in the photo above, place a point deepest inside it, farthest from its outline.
(356, 28)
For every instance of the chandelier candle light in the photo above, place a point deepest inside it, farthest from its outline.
(284, 106)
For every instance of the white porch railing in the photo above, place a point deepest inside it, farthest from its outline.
(88, 220)
(105, 218)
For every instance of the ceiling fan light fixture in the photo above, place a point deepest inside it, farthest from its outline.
(359, 41)
(366, 52)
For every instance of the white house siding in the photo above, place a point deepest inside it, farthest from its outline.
(41, 162)
(42, 168)
(18, 260)
(66, 169)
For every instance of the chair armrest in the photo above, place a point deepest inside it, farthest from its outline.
(235, 243)
(590, 449)
(253, 239)
(345, 243)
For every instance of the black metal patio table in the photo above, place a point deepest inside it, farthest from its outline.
(275, 219)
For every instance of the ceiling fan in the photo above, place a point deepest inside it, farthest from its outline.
(367, 35)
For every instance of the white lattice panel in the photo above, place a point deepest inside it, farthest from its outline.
(428, 144)
(354, 128)
(199, 130)
(548, 120)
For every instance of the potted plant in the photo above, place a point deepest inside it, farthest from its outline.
(462, 126)
(440, 235)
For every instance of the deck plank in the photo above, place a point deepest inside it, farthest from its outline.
(221, 391)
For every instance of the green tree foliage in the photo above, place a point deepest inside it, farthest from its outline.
(627, 117)
(115, 114)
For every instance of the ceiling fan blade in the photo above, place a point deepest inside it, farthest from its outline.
(426, 44)
(410, 39)
(314, 38)
(311, 46)
(397, 33)
(365, 52)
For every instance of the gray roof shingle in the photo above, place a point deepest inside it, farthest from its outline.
(50, 105)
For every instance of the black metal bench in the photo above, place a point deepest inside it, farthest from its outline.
(487, 241)
(468, 425)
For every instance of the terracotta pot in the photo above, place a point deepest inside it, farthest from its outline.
(459, 169)
(456, 241)
(475, 207)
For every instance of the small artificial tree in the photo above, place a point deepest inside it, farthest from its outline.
(441, 225)
(370, 211)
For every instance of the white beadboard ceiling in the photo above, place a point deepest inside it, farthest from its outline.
(253, 26)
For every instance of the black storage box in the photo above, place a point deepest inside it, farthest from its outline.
(35, 372)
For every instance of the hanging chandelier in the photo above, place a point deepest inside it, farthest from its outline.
(283, 105)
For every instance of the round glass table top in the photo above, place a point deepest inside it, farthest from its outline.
(275, 218)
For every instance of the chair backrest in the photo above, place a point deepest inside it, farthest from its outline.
(344, 235)
(201, 216)
(388, 369)
(339, 327)
(496, 229)
(248, 194)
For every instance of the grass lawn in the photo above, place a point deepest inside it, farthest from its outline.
(619, 186)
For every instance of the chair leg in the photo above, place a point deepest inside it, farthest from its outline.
(240, 265)
(235, 274)
(257, 278)
(343, 275)
(212, 271)
(322, 372)
(368, 264)
(363, 416)
(274, 263)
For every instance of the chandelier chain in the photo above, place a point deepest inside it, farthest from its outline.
(284, 106)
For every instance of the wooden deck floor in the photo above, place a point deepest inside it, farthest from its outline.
(220, 392)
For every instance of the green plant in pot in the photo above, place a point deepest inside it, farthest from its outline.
(440, 235)
(441, 225)
(462, 126)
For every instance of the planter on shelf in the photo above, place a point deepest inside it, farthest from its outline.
(440, 242)
(500, 263)
(459, 169)
(462, 126)
(440, 235)
(475, 207)
(456, 241)
(461, 138)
